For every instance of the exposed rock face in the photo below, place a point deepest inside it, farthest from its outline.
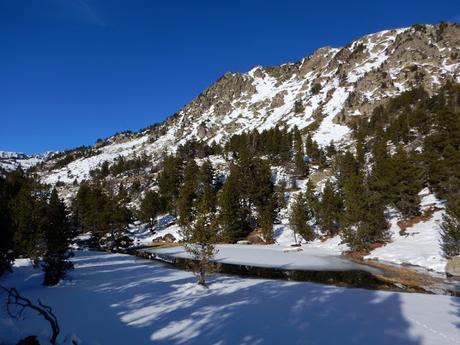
(453, 267)
(333, 85)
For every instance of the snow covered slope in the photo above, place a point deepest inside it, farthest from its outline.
(12, 160)
(134, 301)
(323, 91)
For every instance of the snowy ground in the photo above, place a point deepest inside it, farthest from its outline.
(420, 245)
(314, 259)
(119, 299)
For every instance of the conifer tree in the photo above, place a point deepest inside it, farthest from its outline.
(188, 193)
(57, 236)
(28, 215)
(118, 217)
(406, 184)
(6, 229)
(311, 200)
(363, 218)
(200, 236)
(450, 228)
(169, 182)
(150, 208)
(330, 210)
(207, 188)
(233, 216)
(299, 218)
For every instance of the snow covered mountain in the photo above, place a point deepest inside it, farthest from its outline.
(322, 93)
(12, 160)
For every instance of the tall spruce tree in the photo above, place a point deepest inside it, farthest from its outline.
(6, 228)
(188, 193)
(329, 210)
(407, 183)
(57, 236)
(233, 215)
(150, 208)
(169, 182)
(363, 218)
(200, 236)
(299, 218)
(28, 215)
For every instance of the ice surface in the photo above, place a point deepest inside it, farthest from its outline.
(274, 256)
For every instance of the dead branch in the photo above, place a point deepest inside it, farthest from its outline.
(20, 303)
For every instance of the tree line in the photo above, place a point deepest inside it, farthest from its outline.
(34, 224)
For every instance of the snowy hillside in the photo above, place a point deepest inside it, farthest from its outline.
(323, 92)
(140, 302)
(12, 160)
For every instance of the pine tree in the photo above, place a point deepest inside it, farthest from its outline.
(330, 210)
(188, 193)
(299, 218)
(200, 236)
(233, 216)
(311, 200)
(450, 228)
(150, 208)
(6, 229)
(57, 240)
(169, 182)
(407, 183)
(363, 218)
(28, 215)
(118, 218)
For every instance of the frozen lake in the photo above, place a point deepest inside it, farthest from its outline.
(273, 256)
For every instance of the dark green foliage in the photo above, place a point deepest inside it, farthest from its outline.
(197, 185)
(188, 193)
(195, 149)
(134, 165)
(407, 183)
(312, 149)
(275, 144)
(450, 234)
(329, 210)
(151, 206)
(99, 211)
(299, 218)
(28, 209)
(169, 182)
(233, 214)
(312, 201)
(397, 180)
(57, 237)
(257, 191)
(200, 236)
(7, 192)
(22, 218)
(363, 218)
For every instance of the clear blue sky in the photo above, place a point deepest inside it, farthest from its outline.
(73, 71)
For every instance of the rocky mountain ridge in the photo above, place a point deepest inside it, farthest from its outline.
(322, 93)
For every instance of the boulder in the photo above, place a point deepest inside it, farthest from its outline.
(453, 267)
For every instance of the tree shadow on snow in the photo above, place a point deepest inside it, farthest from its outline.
(137, 302)
(167, 307)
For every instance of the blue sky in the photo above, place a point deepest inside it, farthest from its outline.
(73, 71)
